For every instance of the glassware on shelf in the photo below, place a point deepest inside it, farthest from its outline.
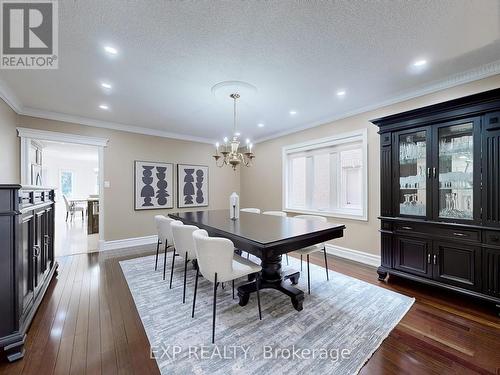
(412, 173)
(456, 175)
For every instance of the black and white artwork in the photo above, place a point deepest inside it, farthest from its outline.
(192, 185)
(154, 185)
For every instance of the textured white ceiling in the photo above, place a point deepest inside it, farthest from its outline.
(70, 151)
(297, 54)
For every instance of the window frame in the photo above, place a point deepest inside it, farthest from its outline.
(315, 144)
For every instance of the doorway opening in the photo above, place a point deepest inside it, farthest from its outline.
(73, 166)
(74, 170)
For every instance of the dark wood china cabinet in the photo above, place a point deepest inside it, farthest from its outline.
(27, 261)
(440, 195)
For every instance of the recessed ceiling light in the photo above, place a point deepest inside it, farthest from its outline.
(341, 93)
(104, 106)
(111, 50)
(260, 125)
(293, 112)
(420, 63)
(106, 85)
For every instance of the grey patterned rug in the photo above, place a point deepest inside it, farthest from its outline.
(343, 322)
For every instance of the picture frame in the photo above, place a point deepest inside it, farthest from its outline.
(153, 185)
(192, 185)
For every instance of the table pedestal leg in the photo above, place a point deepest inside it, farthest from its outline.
(273, 278)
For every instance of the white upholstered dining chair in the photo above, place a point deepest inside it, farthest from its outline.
(275, 213)
(251, 210)
(164, 230)
(72, 208)
(312, 249)
(184, 247)
(218, 264)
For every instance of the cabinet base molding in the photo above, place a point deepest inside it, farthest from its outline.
(423, 280)
(13, 347)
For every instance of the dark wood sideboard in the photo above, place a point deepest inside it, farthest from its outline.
(440, 195)
(27, 262)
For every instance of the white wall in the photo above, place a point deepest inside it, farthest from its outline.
(84, 175)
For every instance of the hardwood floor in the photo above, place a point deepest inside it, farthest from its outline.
(71, 236)
(88, 323)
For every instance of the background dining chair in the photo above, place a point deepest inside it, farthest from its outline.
(275, 213)
(218, 264)
(184, 247)
(312, 249)
(71, 208)
(164, 230)
(252, 210)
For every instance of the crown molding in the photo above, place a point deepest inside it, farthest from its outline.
(10, 98)
(61, 137)
(475, 74)
(57, 116)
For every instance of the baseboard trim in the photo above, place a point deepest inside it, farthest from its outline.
(354, 255)
(127, 242)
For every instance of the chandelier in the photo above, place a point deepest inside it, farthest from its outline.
(230, 153)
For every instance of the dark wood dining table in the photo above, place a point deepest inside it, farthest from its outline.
(268, 238)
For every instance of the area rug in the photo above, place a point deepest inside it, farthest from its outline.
(343, 322)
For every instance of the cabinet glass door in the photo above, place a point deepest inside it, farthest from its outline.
(456, 175)
(412, 173)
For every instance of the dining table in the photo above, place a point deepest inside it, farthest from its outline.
(268, 238)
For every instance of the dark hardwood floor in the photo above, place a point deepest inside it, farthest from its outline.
(88, 323)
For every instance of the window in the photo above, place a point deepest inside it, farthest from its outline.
(66, 181)
(327, 176)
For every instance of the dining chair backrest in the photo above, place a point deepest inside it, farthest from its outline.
(66, 202)
(183, 239)
(164, 229)
(214, 255)
(312, 217)
(275, 213)
(252, 210)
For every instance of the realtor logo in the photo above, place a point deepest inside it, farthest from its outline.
(29, 34)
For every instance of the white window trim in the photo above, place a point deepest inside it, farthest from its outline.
(358, 135)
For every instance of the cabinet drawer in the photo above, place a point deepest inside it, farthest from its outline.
(492, 237)
(459, 234)
(440, 231)
(409, 228)
(24, 198)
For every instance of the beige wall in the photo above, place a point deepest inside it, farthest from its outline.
(121, 221)
(261, 185)
(9, 146)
